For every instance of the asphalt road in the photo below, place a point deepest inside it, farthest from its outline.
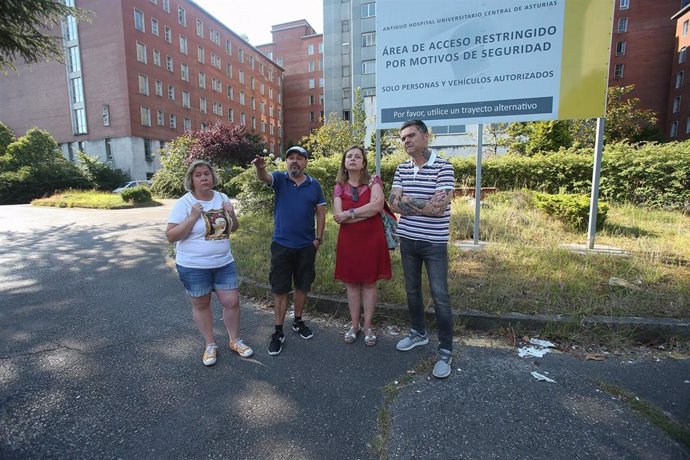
(99, 358)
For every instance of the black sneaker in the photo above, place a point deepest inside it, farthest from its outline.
(276, 345)
(304, 331)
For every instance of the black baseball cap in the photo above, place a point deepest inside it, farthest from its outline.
(297, 149)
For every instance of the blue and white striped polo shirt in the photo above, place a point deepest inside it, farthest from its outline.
(436, 174)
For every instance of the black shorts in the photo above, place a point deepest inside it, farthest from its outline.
(290, 264)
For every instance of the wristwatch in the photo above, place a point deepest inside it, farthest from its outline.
(352, 212)
(319, 239)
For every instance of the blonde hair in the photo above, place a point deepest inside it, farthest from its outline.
(188, 184)
(343, 175)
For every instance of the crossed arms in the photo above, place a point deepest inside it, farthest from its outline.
(411, 206)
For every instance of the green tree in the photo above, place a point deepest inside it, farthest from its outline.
(33, 166)
(390, 141)
(625, 121)
(100, 175)
(27, 28)
(530, 138)
(6, 137)
(330, 139)
(168, 182)
(359, 118)
(225, 144)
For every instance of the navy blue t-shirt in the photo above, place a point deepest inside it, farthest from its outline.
(295, 207)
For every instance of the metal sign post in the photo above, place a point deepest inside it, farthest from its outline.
(596, 175)
(478, 183)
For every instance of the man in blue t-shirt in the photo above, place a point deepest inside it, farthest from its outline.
(298, 198)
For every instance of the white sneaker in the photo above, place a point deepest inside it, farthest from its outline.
(210, 355)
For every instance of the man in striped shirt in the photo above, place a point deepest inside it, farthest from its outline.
(421, 193)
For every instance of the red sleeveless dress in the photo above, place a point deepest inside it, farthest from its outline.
(362, 253)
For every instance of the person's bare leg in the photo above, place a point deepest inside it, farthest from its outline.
(369, 292)
(230, 301)
(354, 303)
(280, 302)
(203, 316)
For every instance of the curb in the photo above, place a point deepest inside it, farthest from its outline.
(644, 329)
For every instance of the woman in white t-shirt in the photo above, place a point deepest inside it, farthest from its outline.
(200, 224)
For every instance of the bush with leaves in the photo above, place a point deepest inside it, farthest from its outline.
(168, 182)
(224, 144)
(138, 194)
(6, 137)
(572, 210)
(33, 167)
(100, 175)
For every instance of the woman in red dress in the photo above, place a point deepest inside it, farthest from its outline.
(362, 256)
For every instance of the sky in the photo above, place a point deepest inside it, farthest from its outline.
(254, 18)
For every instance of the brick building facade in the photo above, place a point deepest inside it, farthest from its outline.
(299, 50)
(137, 76)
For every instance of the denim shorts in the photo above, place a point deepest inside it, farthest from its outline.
(200, 281)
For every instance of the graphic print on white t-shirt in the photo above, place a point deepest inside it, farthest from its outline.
(217, 227)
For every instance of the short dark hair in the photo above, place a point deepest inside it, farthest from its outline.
(418, 123)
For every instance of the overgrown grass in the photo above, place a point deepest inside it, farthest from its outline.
(89, 199)
(524, 269)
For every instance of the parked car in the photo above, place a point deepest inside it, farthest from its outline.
(132, 183)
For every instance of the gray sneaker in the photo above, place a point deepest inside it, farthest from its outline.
(414, 339)
(442, 366)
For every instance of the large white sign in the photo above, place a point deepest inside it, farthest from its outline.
(470, 61)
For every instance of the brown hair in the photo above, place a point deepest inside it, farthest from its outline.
(343, 175)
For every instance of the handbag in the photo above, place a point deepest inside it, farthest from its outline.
(390, 224)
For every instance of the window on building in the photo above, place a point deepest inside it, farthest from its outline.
(139, 20)
(181, 16)
(676, 104)
(186, 100)
(345, 26)
(160, 115)
(262, 89)
(368, 92)
(368, 67)
(70, 29)
(347, 94)
(279, 61)
(169, 63)
(157, 58)
(143, 84)
(243, 119)
(183, 44)
(108, 149)
(184, 72)
(618, 71)
(321, 48)
(312, 66)
(251, 62)
(310, 49)
(322, 82)
(228, 70)
(147, 150)
(624, 4)
(77, 89)
(252, 103)
(145, 116)
(171, 92)
(240, 55)
(173, 121)
(154, 27)
(254, 123)
(167, 34)
(312, 117)
(312, 83)
(674, 129)
(141, 52)
(346, 71)
(368, 10)
(679, 79)
(214, 35)
(74, 63)
(622, 25)
(230, 93)
(187, 124)
(228, 47)
(202, 80)
(200, 28)
(159, 88)
(215, 60)
(252, 82)
(202, 105)
(682, 54)
(231, 115)
(201, 54)
(620, 48)
(687, 126)
(685, 28)
(346, 115)
(262, 107)
(320, 64)
(166, 6)
(312, 100)
(263, 126)
(369, 39)
(345, 48)
(241, 76)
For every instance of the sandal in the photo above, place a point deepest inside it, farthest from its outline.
(370, 338)
(351, 335)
